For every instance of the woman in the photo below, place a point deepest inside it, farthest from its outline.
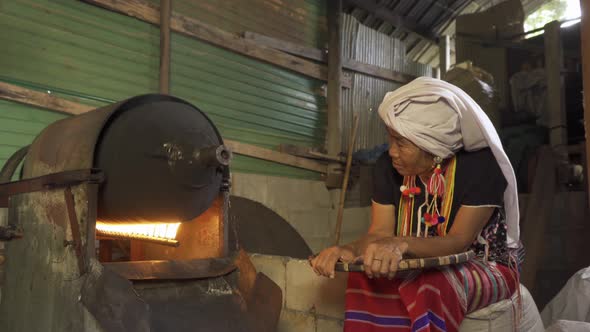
(445, 186)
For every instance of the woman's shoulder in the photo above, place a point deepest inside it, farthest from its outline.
(477, 161)
(479, 166)
(482, 156)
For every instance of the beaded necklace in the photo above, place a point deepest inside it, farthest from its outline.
(441, 187)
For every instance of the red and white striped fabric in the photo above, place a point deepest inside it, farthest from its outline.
(430, 300)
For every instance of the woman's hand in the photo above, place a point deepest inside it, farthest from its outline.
(323, 264)
(382, 257)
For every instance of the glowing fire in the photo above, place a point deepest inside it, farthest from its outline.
(158, 232)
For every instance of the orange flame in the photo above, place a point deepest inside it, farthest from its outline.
(164, 232)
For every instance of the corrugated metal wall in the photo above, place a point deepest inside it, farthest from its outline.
(96, 56)
(298, 21)
(19, 126)
(370, 46)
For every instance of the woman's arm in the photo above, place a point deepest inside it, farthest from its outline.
(382, 224)
(467, 225)
(382, 256)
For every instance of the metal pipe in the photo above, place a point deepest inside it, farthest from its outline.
(218, 155)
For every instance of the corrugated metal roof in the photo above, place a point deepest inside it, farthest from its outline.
(432, 15)
(86, 51)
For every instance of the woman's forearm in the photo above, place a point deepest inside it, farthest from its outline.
(358, 247)
(420, 247)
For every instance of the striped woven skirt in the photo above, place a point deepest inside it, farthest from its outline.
(429, 300)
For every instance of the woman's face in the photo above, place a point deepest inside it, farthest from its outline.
(407, 157)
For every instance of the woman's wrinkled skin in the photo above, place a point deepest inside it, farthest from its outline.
(379, 254)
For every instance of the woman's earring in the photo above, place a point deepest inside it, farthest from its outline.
(437, 180)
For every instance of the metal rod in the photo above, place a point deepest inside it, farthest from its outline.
(74, 228)
(345, 181)
(165, 10)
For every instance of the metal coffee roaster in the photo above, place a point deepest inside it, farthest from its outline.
(119, 223)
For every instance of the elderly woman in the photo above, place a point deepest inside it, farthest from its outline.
(445, 186)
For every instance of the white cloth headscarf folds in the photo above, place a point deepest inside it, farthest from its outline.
(442, 119)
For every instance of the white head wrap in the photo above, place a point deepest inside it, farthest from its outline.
(441, 118)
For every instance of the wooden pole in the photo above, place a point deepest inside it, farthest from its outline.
(444, 49)
(165, 11)
(345, 180)
(585, 35)
(538, 212)
(333, 140)
(556, 117)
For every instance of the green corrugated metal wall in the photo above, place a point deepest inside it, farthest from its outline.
(19, 126)
(298, 21)
(95, 56)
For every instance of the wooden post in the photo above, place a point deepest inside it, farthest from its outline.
(165, 11)
(556, 114)
(333, 137)
(585, 35)
(444, 49)
(345, 180)
(538, 212)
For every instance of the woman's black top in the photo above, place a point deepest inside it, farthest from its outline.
(478, 182)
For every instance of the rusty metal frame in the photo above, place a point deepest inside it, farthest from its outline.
(173, 269)
(49, 182)
(75, 229)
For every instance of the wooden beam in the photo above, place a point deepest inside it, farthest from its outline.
(444, 51)
(309, 153)
(278, 157)
(47, 101)
(165, 9)
(398, 21)
(287, 46)
(319, 55)
(377, 71)
(148, 12)
(585, 45)
(41, 99)
(334, 135)
(556, 114)
(521, 45)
